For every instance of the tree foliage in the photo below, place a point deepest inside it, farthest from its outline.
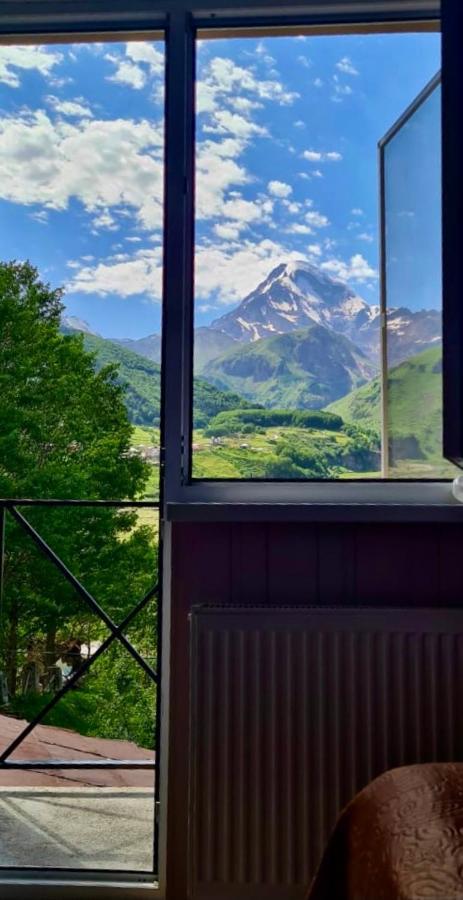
(64, 433)
(233, 421)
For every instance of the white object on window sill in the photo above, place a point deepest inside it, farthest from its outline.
(457, 488)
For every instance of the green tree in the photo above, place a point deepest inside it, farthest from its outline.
(64, 433)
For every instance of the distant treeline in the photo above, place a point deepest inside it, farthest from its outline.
(247, 420)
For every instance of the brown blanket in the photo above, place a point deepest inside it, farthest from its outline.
(401, 838)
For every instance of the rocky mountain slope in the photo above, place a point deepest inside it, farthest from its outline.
(298, 294)
(304, 369)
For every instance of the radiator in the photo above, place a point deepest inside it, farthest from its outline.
(292, 712)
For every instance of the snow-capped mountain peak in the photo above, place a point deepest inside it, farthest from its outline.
(294, 295)
(74, 323)
(298, 294)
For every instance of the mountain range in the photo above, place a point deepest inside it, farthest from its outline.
(141, 378)
(304, 369)
(300, 339)
(414, 404)
(298, 294)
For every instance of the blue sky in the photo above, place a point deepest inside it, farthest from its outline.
(287, 133)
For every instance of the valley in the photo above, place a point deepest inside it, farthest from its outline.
(301, 341)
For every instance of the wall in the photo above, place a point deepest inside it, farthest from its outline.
(290, 564)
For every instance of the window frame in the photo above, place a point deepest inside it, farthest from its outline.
(394, 130)
(102, 884)
(434, 498)
(180, 21)
(452, 212)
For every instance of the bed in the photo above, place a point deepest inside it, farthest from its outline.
(401, 837)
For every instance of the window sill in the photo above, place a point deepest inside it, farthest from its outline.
(23, 887)
(315, 502)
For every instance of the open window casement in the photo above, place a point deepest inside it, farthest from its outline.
(410, 166)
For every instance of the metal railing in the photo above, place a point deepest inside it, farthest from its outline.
(13, 507)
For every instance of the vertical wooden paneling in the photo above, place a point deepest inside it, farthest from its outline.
(397, 565)
(450, 546)
(292, 565)
(337, 557)
(201, 573)
(249, 570)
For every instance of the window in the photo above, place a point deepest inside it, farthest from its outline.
(81, 213)
(287, 357)
(412, 222)
(81, 198)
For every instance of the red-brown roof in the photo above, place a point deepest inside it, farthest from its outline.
(48, 743)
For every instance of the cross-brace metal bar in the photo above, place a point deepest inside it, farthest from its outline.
(74, 678)
(81, 590)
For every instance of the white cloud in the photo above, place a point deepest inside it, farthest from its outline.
(299, 123)
(230, 272)
(222, 78)
(340, 91)
(228, 231)
(304, 61)
(227, 96)
(104, 221)
(317, 220)
(279, 189)
(346, 66)
(317, 82)
(356, 211)
(227, 272)
(72, 108)
(364, 236)
(320, 156)
(244, 104)
(314, 249)
(124, 275)
(299, 228)
(147, 53)
(216, 172)
(142, 60)
(246, 210)
(40, 216)
(226, 122)
(102, 164)
(127, 73)
(25, 58)
(293, 207)
(357, 269)
(261, 50)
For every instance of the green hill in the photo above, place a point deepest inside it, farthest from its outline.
(142, 380)
(415, 405)
(303, 369)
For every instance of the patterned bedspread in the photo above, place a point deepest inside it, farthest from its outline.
(401, 838)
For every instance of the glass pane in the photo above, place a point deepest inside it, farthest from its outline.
(287, 320)
(73, 820)
(81, 210)
(413, 290)
(47, 635)
(81, 207)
